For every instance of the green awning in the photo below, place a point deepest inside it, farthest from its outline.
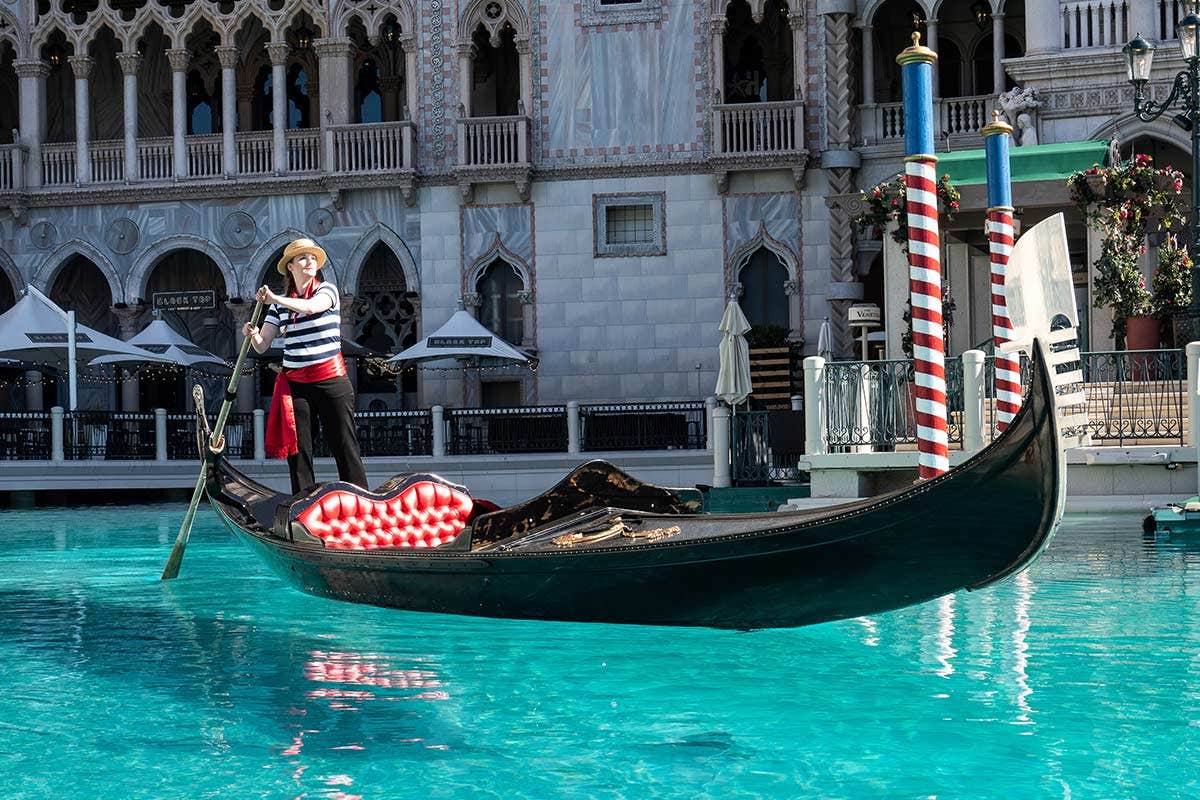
(1041, 162)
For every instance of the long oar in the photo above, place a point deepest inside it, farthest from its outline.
(185, 530)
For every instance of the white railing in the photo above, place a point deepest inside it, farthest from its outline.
(493, 141)
(58, 164)
(255, 152)
(12, 167)
(204, 156)
(107, 159)
(1096, 23)
(750, 128)
(156, 160)
(955, 116)
(373, 147)
(303, 150)
(964, 114)
(1166, 14)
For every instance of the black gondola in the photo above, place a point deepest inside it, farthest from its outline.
(603, 547)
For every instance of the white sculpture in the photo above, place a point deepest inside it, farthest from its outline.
(1017, 103)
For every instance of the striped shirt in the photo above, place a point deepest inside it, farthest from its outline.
(309, 338)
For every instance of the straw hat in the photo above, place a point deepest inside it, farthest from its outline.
(297, 247)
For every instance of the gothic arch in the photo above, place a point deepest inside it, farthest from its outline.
(135, 284)
(257, 265)
(13, 33)
(511, 11)
(757, 8)
(868, 14)
(358, 256)
(1127, 127)
(402, 10)
(498, 250)
(54, 262)
(936, 8)
(9, 268)
(741, 256)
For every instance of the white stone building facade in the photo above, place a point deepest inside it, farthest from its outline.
(593, 178)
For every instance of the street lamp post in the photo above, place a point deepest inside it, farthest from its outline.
(1139, 54)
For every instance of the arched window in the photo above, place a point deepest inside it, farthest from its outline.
(500, 310)
(758, 56)
(763, 300)
(495, 75)
(297, 97)
(201, 106)
(384, 318)
(368, 96)
(950, 68)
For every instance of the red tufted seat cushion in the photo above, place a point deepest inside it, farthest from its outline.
(424, 514)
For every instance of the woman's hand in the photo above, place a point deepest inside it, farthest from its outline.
(250, 332)
(265, 295)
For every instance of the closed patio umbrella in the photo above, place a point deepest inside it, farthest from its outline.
(733, 376)
(161, 340)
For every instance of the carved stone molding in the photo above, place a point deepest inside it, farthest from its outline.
(791, 287)
(525, 297)
(82, 66)
(278, 52)
(227, 55)
(178, 58)
(129, 319)
(130, 62)
(472, 301)
(31, 69)
(341, 47)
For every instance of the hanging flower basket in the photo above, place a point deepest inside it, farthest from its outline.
(1097, 184)
(885, 204)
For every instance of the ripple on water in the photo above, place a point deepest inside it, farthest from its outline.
(1076, 679)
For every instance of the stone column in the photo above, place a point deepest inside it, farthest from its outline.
(129, 322)
(130, 62)
(525, 56)
(34, 399)
(82, 67)
(335, 57)
(716, 32)
(1043, 20)
(997, 53)
(314, 103)
(409, 45)
(793, 290)
(466, 55)
(178, 59)
(868, 65)
(796, 22)
(931, 41)
(32, 76)
(528, 340)
(278, 51)
(228, 56)
(247, 398)
(245, 106)
(839, 162)
(389, 87)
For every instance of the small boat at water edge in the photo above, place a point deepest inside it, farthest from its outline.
(603, 547)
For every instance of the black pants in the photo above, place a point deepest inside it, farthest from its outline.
(332, 402)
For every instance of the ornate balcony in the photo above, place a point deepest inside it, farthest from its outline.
(493, 150)
(757, 136)
(882, 124)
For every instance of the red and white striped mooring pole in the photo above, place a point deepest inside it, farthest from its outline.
(924, 259)
(1000, 244)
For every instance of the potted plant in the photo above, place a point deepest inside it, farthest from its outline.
(1124, 202)
(884, 205)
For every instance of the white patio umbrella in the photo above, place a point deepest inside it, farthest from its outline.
(462, 336)
(825, 341)
(37, 330)
(161, 340)
(733, 376)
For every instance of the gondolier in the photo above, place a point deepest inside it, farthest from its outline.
(312, 384)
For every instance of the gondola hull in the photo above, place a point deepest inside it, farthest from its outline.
(978, 523)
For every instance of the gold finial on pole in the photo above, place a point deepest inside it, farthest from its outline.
(918, 52)
(997, 125)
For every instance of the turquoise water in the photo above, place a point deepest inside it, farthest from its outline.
(1077, 679)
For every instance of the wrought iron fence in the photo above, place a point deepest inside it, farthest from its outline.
(25, 436)
(1136, 395)
(759, 457)
(644, 426)
(181, 436)
(872, 404)
(990, 420)
(481, 431)
(108, 435)
(388, 433)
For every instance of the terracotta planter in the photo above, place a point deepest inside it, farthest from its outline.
(1141, 333)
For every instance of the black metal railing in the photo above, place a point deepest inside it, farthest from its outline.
(24, 436)
(644, 426)
(108, 435)
(181, 436)
(762, 452)
(480, 431)
(388, 433)
(1136, 395)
